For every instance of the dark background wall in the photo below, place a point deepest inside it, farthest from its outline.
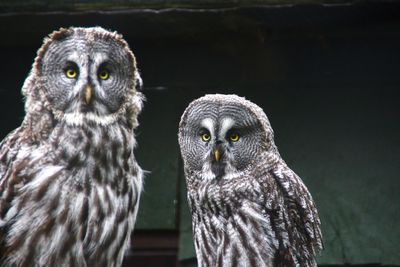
(326, 75)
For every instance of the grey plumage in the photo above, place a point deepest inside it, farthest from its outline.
(69, 182)
(248, 207)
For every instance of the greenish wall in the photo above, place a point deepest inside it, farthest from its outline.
(327, 77)
(158, 153)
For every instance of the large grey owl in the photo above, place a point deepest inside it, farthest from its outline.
(69, 182)
(248, 207)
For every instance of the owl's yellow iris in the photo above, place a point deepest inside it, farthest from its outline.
(104, 74)
(71, 73)
(205, 137)
(234, 137)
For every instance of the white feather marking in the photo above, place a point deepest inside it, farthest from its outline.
(27, 152)
(76, 207)
(98, 59)
(74, 57)
(41, 177)
(238, 239)
(79, 119)
(226, 125)
(207, 173)
(208, 124)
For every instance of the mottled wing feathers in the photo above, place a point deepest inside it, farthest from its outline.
(299, 209)
(8, 153)
(5, 146)
(9, 148)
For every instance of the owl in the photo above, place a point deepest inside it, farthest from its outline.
(69, 181)
(248, 207)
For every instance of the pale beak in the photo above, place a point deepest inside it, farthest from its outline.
(217, 155)
(88, 94)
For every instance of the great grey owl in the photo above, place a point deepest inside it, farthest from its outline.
(69, 182)
(248, 207)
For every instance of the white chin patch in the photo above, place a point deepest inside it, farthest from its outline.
(78, 118)
(230, 172)
(206, 173)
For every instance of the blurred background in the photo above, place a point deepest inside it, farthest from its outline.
(327, 74)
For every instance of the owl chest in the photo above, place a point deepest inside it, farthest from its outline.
(101, 168)
(225, 198)
(237, 240)
(237, 237)
(77, 205)
(231, 221)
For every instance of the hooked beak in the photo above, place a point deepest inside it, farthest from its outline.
(218, 165)
(217, 154)
(88, 94)
(218, 151)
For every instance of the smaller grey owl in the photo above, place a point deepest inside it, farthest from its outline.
(248, 207)
(69, 181)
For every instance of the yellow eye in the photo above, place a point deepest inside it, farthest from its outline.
(104, 74)
(234, 137)
(205, 137)
(71, 73)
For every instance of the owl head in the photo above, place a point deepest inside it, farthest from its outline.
(84, 73)
(221, 135)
